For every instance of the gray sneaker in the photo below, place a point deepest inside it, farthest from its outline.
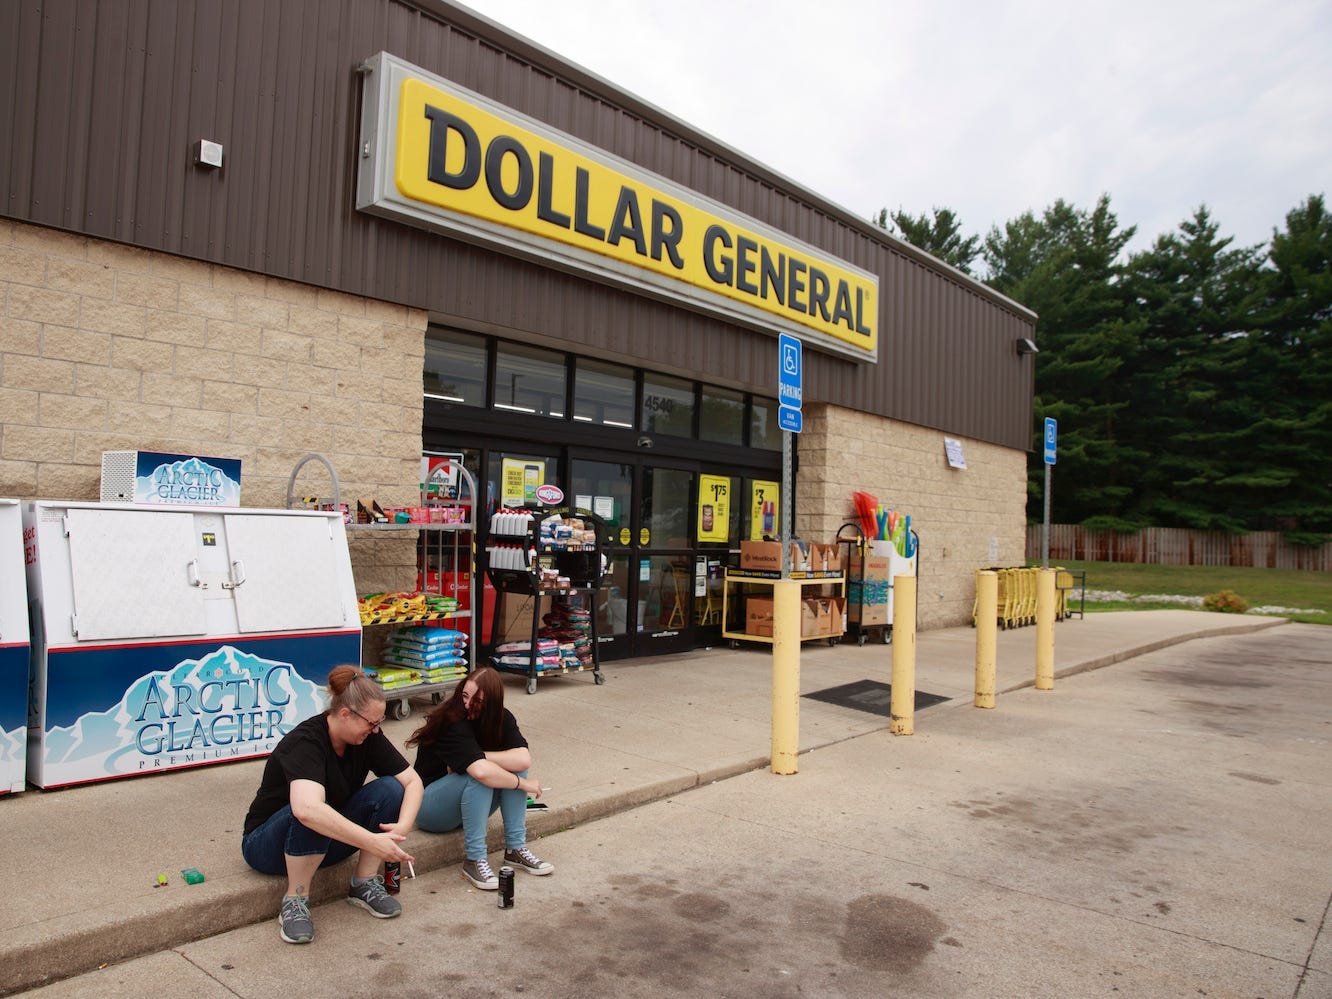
(372, 897)
(479, 873)
(297, 926)
(524, 859)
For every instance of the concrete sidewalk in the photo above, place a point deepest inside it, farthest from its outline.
(84, 861)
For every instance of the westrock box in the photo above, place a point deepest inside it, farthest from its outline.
(758, 616)
(761, 555)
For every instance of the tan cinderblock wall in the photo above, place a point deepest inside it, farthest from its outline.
(967, 518)
(107, 347)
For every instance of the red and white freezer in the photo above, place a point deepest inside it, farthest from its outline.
(172, 638)
(14, 649)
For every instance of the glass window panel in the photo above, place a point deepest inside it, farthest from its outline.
(667, 502)
(668, 406)
(667, 597)
(529, 380)
(722, 416)
(763, 429)
(455, 367)
(604, 393)
(614, 615)
(607, 487)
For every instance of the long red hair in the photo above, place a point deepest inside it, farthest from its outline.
(488, 724)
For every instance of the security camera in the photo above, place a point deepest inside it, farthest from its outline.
(645, 441)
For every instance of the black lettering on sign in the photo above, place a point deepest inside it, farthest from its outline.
(860, 312)
(581, 224)
(772, 275)
(795, 286)
(441, 124)
(718, 266)
(545, 184)
(745, 264)
(842, 305)
(666, 231)
(818, 292)
(627, 222)
(501, 146)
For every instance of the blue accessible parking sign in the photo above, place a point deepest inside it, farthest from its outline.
(790, 379)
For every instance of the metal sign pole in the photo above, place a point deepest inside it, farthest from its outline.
(786, 504)
(1045, 527)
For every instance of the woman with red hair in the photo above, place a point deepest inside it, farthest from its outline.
(474, 760)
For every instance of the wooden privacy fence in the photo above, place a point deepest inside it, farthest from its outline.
(1177, 546)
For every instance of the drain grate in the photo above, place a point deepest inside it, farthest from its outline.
(870, 695)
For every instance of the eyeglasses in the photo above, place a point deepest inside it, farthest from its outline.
(374, 725)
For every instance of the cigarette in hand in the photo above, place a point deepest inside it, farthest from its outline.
(410, 869)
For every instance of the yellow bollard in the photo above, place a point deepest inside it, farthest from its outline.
(785, 676)
(1045, 614)
(902, 700)
(987, 614)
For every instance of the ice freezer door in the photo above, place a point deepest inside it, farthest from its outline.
(132, 574)
(287, 572)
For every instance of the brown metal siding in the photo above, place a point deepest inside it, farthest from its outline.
(101, 100)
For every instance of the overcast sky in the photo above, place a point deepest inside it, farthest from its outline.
(987, 108)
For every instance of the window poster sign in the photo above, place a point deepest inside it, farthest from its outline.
(439, 476)
(714, 507)
(764, 507)
(519, 480)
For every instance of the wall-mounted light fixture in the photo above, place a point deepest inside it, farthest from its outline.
(208, 154)
(1025, 346)
(645, 441)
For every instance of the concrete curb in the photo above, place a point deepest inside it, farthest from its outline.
(1145, 648)
(116, 928)
(77, 944)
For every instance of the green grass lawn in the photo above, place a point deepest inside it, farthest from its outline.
(1309, 591)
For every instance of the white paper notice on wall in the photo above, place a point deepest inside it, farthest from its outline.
(953, 449)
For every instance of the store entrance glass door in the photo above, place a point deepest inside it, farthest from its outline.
(664, 560)
(645, 607)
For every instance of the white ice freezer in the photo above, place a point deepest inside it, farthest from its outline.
(14, 650)
(172, 638)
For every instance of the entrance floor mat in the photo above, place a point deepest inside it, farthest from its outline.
(870, 695)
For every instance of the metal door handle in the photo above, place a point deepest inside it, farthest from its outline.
(192, 571)
(235, 579)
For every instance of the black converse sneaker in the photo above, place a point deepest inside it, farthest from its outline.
(479, 873)
(524, 859)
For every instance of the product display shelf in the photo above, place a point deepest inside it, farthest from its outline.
(520, 563)
(862, 615)
(740, 578)
(438, 545)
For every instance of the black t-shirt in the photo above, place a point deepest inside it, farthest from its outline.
(306, 753)
(457, 748)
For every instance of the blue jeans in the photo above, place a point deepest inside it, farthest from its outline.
(460, 800)
(266, 848)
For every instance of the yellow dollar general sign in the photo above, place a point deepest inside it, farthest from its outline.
(437, 155)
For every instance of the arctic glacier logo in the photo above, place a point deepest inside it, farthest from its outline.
(190, 481)
(226, 705)
(13, 757)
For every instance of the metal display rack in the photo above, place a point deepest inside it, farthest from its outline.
(743, 577)
(853, 558)
(545, 569)
(439, 545)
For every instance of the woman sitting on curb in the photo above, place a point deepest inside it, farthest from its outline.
(474, 760)
(314, 808)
